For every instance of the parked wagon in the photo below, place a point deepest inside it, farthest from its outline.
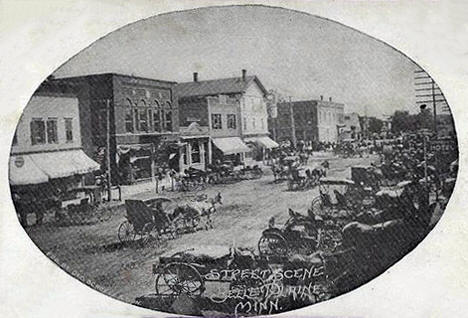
(188, 271)
(301, 234)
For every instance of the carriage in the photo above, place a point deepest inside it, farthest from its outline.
(189, 270)
(146, 219)
(301, 234)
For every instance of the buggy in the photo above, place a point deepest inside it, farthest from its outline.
(301, 234)
(145, 219)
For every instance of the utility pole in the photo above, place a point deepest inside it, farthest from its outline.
(293, 124)
(108, 156)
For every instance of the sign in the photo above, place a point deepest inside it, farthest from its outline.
(19, 161)
(444, 146)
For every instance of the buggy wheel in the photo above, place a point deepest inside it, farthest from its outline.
(180, 278)
(272, 244)
(126, 233)
(145, 234)
(317, 206)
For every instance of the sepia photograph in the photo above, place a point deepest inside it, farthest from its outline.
(232, 161)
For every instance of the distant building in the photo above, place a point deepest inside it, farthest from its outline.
(311, 120)
(351, 127)
(143, 119)
(232, 111)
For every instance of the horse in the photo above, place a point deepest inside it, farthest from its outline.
(199, 210)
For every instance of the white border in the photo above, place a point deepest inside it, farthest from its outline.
(38, 36)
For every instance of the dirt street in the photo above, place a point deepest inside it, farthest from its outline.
(92, 252)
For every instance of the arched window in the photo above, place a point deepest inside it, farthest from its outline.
(142, 116)
(167, 117)
(129, 127)
(157, 116)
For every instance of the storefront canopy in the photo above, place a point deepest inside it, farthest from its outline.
(66, 163)
(231, 145)
(264, 141)
(24, 171)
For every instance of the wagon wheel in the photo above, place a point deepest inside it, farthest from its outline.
(318, 208)
(272, 244)
(180, 278)
(144, 236)
(126, 232)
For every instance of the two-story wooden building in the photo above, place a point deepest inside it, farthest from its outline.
(47, 157)
(230, 111)
(138, 118)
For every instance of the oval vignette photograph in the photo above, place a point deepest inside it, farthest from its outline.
(232, 161)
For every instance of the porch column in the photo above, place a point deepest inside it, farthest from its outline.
(152, 156)
(201, 146)
(189, 154)
(210, 157)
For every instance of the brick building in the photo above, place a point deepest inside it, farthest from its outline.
(310, 120)
(143, 121)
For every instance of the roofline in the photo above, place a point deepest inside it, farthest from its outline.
(114, 74)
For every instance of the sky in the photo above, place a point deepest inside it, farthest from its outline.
(297, 54)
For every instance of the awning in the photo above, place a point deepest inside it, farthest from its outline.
(24, 171)
(231, 145)
(264, 141)
(66, 163)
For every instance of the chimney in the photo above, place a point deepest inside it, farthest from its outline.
(321, 97)
(244, 74)
(195, 77)
(330, 99)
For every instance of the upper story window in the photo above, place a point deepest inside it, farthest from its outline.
(216, 121)
(222, 99)
(245, 123)
(52, 135)
(167, 117)
(129, 125)
(263, 123)
(69, 129)
(157, 116)
(15, 139)
(142, 116)
(254, 124)
(38, 133)
(231, 121)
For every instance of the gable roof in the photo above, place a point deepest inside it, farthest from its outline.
(231, 85)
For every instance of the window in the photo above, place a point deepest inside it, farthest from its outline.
(253, 123)
(157, 119)
(195, 152)
(69, 129)
(222, 99)
(129, 127)
(15, 139)
(135, 117)
(216, 121)
(142, 116)
(38, 134)
(168, 120)
(263, 123)
(52, 131)
(245, 123)
(150, 118)
(231, 121)
(143, 119)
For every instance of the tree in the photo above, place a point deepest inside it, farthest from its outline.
(375, 125)
(402, 121)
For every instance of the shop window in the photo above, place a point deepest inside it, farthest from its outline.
(231, 121)
(195, 152)
(38, 134)
(69, 129)
(129, 127)
(216, 121)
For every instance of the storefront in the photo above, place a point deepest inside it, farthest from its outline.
(41, 180)
(260, 147)
(135, 162)
(230, 149)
